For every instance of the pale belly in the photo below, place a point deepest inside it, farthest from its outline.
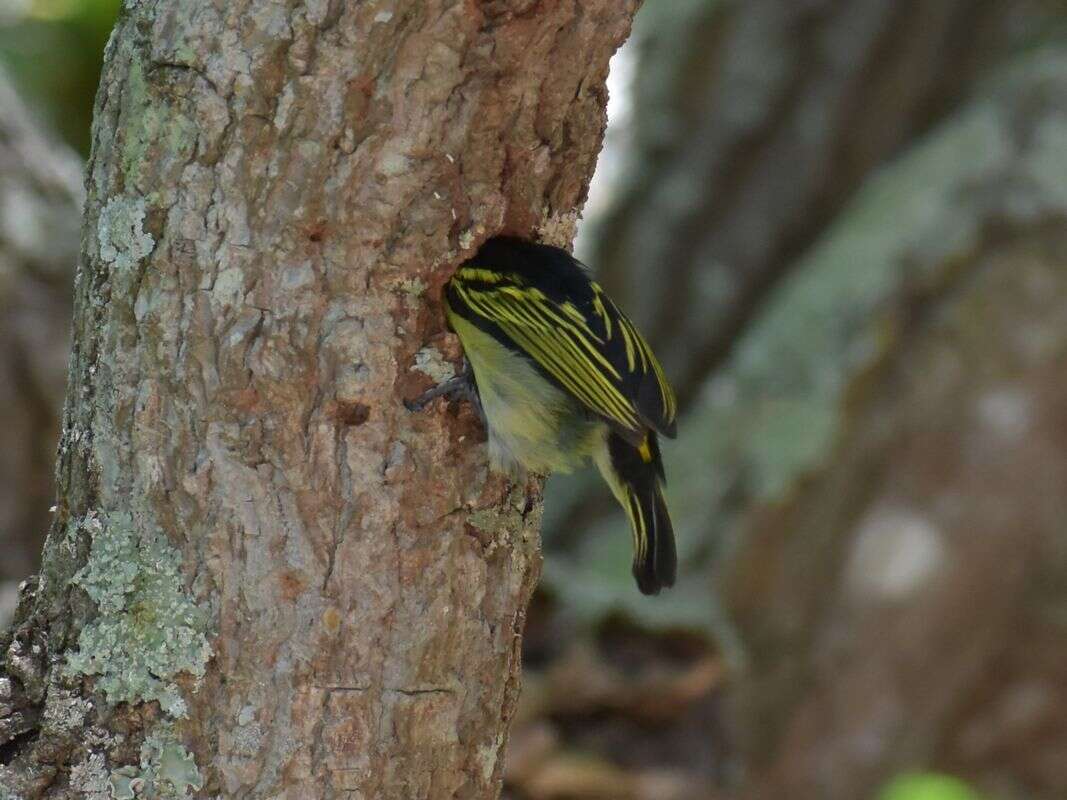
(532, 424)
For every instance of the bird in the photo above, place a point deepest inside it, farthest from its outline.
(562, 377)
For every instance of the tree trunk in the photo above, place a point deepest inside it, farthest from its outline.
(902, 593)
(266, 578)
(40, 203)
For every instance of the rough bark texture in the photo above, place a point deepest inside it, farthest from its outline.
(267, 579)
(40, 204)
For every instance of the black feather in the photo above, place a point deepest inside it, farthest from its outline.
(540, 302)
(479, 292)
(655, 565)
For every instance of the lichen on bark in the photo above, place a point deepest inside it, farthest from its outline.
(147, 630)
(167, 771)
(123, 241)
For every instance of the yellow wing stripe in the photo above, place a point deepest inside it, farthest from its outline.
(526, 316)
(483, 275)
(633, 339)
(599, 395)
(542, 305)
(559, 337)
(548, 353)
(598, 307)
(637, 525)
(576, 317)
(629, 342)
(648, 358)
(553, 358)
(670, 404)
(564, 368)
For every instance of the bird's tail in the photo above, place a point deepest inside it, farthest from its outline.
(635, 475)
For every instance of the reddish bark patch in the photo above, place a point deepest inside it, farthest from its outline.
(316, 231)
(291, 583)
(245, 400)
(351, 414)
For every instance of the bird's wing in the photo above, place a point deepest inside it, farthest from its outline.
(588, 347)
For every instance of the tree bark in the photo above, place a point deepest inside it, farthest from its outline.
(265, 577)
(40, 204)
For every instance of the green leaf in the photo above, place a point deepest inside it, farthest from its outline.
(927, 786)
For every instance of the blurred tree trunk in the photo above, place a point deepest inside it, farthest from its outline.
(265, 578)
(902, 597)
(858, 210)
(755, 123)
(40, 207)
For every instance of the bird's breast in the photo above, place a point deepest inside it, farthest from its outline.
(532, 423)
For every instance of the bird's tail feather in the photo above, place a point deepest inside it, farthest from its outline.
(636, 476)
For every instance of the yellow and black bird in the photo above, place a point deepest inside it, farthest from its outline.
(563, 377)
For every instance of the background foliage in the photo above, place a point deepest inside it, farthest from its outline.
(54, 49)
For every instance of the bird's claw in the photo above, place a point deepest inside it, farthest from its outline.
(461, 386)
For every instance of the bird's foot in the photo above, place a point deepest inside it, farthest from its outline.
(461, 387)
